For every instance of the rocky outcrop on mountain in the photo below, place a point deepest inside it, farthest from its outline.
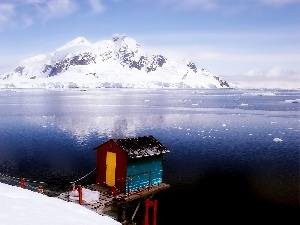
(120, 61)
(85, 58)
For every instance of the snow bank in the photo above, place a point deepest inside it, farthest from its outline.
(21, 206)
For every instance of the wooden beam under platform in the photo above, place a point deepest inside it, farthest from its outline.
(141, 193)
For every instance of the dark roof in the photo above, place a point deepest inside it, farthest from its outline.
(141, 146)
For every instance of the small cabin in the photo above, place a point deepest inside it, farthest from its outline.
(130, 164)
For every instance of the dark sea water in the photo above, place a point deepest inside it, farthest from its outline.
(234, 153)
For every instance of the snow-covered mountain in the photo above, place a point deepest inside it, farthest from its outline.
(119, 62)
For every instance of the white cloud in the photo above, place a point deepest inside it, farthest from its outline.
(225, 6)
(278, 71)
(178, 37)
(275, 77)
(27, 21)
(14, 13)
(97, 6)
(7, 11)
(33, 1)
(279, 2)
(203, 4)
(24, 13)
(254, 73)
(56, 8)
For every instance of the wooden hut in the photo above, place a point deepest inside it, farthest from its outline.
(130, 164)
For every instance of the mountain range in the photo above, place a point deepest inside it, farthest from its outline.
(118, 62)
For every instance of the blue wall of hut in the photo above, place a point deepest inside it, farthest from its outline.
(144, 171)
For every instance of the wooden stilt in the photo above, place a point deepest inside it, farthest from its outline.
(121, 212)
(148, 204)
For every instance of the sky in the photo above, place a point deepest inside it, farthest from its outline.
(21, 206)
(253, 42)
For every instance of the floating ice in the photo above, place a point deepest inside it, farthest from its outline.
(261, 94)
(277, 140)
(293, 101)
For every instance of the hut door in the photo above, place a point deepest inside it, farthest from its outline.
(110, 168)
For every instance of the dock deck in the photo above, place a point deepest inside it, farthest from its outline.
(100, 206)
(107, 202)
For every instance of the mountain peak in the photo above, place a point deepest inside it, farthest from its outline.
(118, 37)
(75, 42)
(125, 45)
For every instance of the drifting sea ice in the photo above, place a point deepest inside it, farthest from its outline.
(277, 140)
(293, 101)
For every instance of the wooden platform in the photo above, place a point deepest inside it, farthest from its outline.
(107, 202)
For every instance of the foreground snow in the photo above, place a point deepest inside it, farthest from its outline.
(21, 206)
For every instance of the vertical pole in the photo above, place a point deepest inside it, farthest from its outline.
(80, 194)
(121, 212)
(146, 220)
(149, 184)
(128, 184)
(22, 183)
(149, 204)
(154, 211)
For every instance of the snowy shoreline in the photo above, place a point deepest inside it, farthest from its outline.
(21, 206)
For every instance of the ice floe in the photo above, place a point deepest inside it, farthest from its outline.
(261, 93)
(277, 140)
(293, 100)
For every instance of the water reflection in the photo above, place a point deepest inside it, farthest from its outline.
(222, 141)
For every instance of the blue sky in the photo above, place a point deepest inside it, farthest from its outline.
(250, 41)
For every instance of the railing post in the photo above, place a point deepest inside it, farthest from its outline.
(149, 181)
(80, 194)
(22, 183)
